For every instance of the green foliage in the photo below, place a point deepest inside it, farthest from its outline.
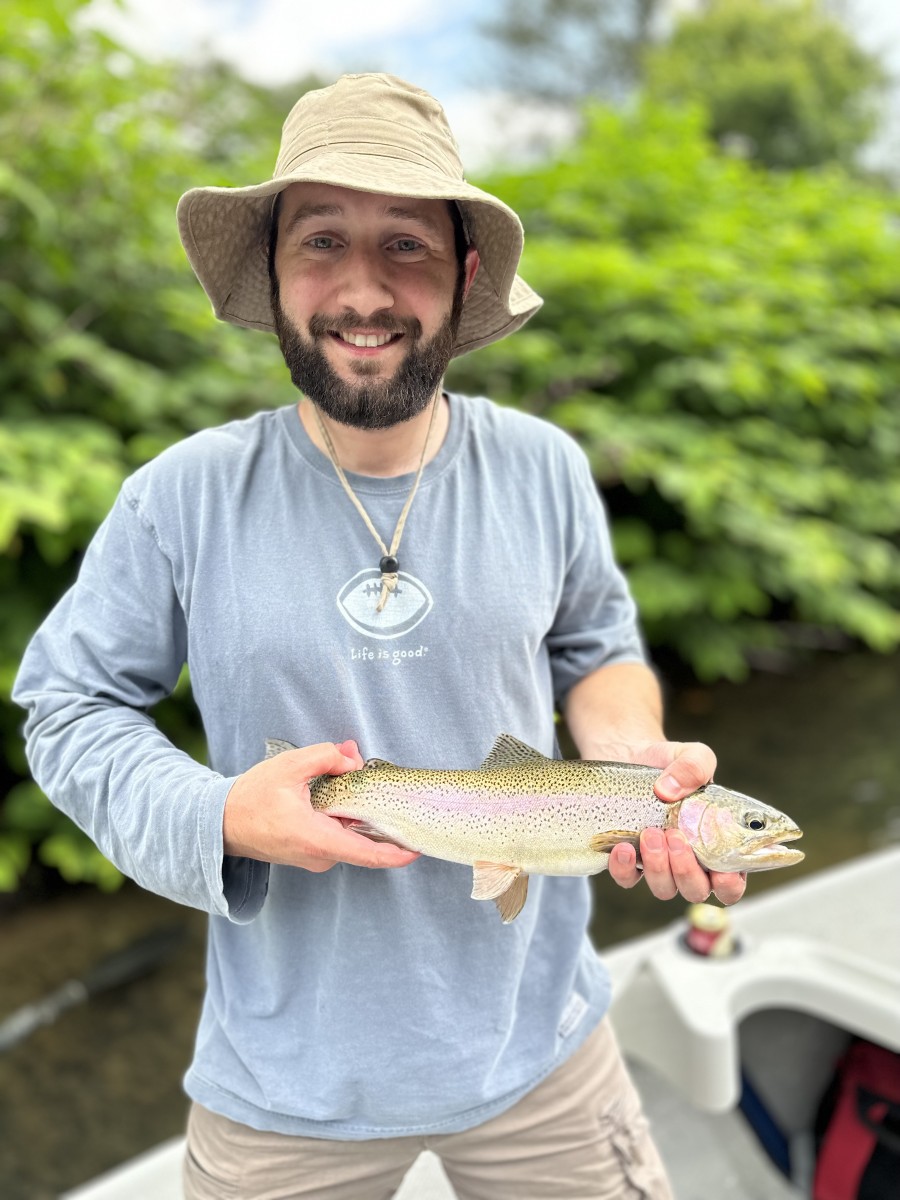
(780, 78)
(109, 349)
(725, 342)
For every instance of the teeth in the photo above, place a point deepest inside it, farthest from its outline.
(366, 339)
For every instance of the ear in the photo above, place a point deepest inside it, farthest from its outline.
(473, 261)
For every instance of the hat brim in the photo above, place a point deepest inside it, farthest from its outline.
(225, 233)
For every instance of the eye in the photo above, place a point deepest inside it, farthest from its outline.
(755, 821)
(320, 242)
(407, 245)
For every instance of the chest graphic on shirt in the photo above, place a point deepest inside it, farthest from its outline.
(407, 606)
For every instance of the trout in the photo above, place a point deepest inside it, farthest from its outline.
(521, 813)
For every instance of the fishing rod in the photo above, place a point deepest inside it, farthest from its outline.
(116, 969)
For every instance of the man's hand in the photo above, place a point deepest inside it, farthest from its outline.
(268, 814)
(669, 864)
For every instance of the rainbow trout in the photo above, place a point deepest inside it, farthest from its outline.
(521, 813)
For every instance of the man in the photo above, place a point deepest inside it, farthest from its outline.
(354, 1017)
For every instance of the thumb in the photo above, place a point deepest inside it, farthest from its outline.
(692, 765)
(350, 750)
(325, 758)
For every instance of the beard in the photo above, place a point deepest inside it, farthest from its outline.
(370, 403)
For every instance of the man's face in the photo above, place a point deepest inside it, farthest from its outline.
(367, 300)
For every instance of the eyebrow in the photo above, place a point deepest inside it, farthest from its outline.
(394, 211)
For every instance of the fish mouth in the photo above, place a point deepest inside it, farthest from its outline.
(769, 852)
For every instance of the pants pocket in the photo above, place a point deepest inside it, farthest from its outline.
(641, 1167)
(210, 1170)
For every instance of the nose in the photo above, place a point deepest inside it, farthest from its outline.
(363, 285)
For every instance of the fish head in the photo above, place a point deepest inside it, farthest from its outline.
(732, 832)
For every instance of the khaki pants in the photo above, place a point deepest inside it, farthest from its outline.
(578, 1135)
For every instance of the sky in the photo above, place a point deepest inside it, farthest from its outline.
(432, 43)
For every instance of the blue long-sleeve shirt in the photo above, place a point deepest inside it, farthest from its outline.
(352, 1003)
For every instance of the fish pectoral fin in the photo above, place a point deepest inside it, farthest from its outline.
(507, 886)
(603, 842)
(275, 746)
(375, 835)
(508, 751)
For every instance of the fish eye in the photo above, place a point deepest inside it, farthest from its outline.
(755, 821)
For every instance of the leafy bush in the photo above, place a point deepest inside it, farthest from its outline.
(109, 349)
(725, 342)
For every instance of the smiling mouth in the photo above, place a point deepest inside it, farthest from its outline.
(366, 341)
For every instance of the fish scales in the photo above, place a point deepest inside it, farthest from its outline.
(540, 818)
(523, 814)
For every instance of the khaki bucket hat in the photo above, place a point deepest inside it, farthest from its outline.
(372, 133)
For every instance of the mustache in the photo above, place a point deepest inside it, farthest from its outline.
(320, 324)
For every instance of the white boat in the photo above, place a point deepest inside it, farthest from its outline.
(818, 962)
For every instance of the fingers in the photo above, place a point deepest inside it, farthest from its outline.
(324, 758)
(671, 869)
(350, 750)
(693, 765)
(329, 841)
(623, 865)
(268, 814)
(728, 887)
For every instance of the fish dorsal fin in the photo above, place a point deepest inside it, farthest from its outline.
(508, 751)
(275, 746)
(375, 763)
(507, 886)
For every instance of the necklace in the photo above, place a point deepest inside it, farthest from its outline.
(389, 565)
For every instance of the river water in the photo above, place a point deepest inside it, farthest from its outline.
(103, 1082)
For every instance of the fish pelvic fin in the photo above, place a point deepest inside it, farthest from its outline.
(508, 751)
(602, 843)
(507, 886)
(275, 746)
(511, 903)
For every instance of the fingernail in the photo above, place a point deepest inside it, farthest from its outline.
(653, 839)
(670, 784)
(677, 845)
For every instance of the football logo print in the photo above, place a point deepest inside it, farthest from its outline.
(407, 605)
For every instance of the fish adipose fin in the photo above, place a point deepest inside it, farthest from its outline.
(602, 843)
(507, 886)
(276, 746)
(508, 751)
(378, 762)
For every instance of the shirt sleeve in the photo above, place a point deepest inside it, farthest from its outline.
(596, 622)
(114, 646)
